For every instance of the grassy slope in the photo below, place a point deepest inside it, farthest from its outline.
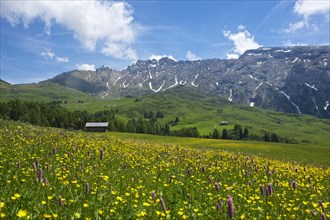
(301, 154)
(206, 112)
(280, 151)
(192, 108)
(41, 92)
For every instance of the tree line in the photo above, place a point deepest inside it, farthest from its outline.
(237, 133)
(52, 114)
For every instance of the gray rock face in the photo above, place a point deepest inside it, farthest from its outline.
(288, 79)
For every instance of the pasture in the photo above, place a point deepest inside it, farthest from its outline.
(48, 173)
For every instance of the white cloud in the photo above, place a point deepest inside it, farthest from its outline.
(191, 56)
(62, 59)
(242, 40)
(86, 66)
(96, 24)
(308, 8)
(119, 51)
(48, 54)
(158, 57)
(232, 56)
(290, 44)
(295, 26)
(241, 27)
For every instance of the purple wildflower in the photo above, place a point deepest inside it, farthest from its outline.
(323, 216)
(37, 162)
(101, 154)
(267, 192)
(322, 207)
(171, 178)
(294, 185)
(40, 176)
(54, 150)
(218, 206)
(34, 168)
(87, 188)
(162, 202)
(19, 164)
(270, 188)
(216, 185)
(313, 213)
(203, 169)
(60, 202)
(230, 207)
(261, 190)
(188, 171)
(153, 195)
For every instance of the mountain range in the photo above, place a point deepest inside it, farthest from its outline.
(288, 79)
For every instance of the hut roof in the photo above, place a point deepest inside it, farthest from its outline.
(97, 124)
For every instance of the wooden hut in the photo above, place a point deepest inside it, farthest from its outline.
(97, 126)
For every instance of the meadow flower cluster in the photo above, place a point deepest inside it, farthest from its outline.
(56, 174)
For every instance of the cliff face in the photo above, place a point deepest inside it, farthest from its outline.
(290, 79)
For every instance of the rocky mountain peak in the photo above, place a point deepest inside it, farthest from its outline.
(289, 79)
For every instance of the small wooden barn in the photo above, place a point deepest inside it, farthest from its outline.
(97, 126)
(224, 123)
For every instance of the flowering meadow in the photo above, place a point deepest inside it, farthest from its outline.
(52, 173)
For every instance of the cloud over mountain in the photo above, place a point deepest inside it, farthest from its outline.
(242, 40)
(191, 56)
(86, 66)
(103, 25)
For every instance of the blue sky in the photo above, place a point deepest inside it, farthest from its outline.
(40, 39)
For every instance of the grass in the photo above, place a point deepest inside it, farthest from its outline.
(48, 173)
(299, 153)
(192, 108)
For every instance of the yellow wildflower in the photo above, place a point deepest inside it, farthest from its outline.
(21, 213)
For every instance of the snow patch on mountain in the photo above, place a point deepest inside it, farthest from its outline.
(312, 87)
(156, 90)
(326, 105)
(288, 97)
(258, 86)
(253, 77)
(175, 84)
(119, 79)
(193, 82)
(182, 82)
(125, 85)
(283, 51)
(141, 84)
(295, 60)
(107, 92)
(230, 95)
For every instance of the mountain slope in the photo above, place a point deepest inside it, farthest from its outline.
(206, 112)
(42, 92)
(192, 107)
(290, 79)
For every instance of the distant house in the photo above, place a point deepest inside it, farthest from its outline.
(97, 126)
(224, 123)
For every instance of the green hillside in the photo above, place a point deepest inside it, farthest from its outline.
(206, 113)
(41, 92)
(191, 107)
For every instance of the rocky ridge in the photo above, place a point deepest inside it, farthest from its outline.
(288, 79)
